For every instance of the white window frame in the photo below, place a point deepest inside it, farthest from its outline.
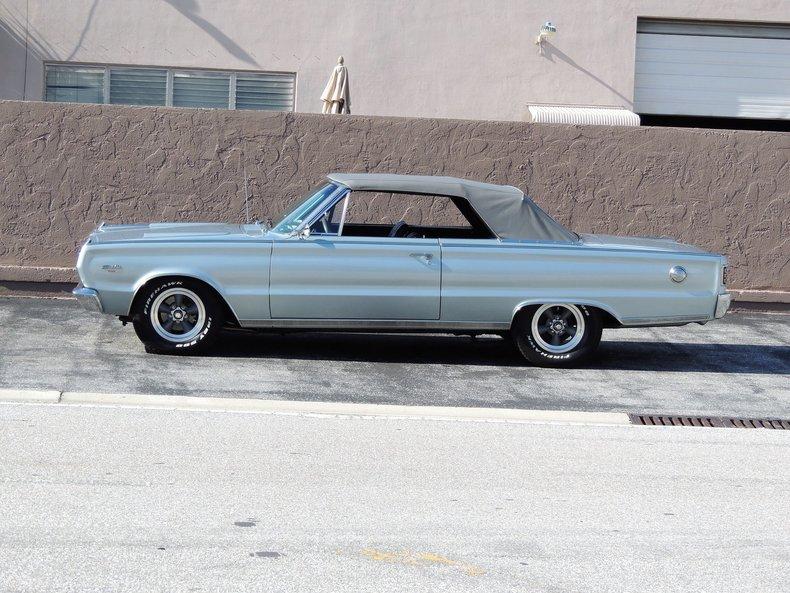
(169, 84)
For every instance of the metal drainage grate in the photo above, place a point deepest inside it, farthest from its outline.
(708, 421)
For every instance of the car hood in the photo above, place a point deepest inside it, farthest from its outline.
(646, 243)
(174, 231)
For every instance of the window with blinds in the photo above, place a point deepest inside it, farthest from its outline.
(195, 89)
(274, 92)
(75, 84)
(138, 86)
(208, 89)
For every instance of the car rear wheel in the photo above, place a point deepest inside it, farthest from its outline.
(557, 334)
(177, 316)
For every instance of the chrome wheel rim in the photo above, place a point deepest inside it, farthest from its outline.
(178, 315)
(558, 327)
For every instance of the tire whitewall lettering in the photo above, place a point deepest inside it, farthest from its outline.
(557, 334)
(177, 316)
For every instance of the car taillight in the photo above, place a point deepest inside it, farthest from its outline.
(724, 275)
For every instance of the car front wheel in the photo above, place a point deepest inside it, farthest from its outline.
(557, 334)
(177, 316)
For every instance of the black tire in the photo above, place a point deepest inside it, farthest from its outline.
(189, 318)
(545, 344)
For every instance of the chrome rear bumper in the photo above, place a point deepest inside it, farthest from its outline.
(88, 298)
(722, 304)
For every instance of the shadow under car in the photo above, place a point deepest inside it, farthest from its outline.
(490, 350)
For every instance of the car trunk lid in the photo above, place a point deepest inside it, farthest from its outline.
(645, 243)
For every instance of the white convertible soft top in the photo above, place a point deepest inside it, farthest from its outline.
(504, 208)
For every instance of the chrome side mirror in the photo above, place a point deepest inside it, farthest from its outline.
(304, 233)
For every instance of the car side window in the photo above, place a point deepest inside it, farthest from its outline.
(329, 222)
(401, 215)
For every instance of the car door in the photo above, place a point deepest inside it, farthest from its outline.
(328, 276)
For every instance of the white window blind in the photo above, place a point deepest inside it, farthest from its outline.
(265, 91)
(138, 86)
(75, 85)
(196, 89)
(273, 91)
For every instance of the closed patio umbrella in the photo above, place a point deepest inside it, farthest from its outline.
(336, 97)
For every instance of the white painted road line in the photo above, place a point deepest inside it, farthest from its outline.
(176, 402)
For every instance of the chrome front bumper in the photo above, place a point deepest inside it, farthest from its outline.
(88, 298)
(722, 304)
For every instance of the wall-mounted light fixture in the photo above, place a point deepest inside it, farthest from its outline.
(547, 30)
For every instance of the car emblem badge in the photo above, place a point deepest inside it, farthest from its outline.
(677, 274)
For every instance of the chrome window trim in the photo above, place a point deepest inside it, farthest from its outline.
(494, 236)
(343, 215)
(322, 207)
(342, 219)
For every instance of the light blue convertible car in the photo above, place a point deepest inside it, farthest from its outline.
(383, 253)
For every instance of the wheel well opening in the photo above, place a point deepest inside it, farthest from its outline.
(525, 310)
(607, 319)
(230, 317)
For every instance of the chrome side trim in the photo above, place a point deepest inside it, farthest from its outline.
(401, 324)
(375, 324)
(88, 298)
(673, 320)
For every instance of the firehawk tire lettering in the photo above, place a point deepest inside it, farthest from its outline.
(155, 341)
(534, 353)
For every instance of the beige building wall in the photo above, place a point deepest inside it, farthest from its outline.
(419, 58)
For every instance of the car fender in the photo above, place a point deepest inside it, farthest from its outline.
(192, 273)
(564, 300)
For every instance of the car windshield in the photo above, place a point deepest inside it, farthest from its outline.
(295, 217)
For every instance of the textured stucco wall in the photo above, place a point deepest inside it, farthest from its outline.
(64, 168)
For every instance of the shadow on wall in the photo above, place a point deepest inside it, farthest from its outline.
(550, 52)
(18, 44)
(190, 8)
(14, 27)
(87, 26)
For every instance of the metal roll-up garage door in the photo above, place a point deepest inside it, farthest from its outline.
(730, 70)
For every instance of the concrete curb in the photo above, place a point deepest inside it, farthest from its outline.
(224, 404)
(29, 396)
(43, 274)
(760, 296)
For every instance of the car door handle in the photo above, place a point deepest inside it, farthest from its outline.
(426, 258)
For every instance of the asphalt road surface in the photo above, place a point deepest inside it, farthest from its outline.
(737, 366)
(119, 499)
